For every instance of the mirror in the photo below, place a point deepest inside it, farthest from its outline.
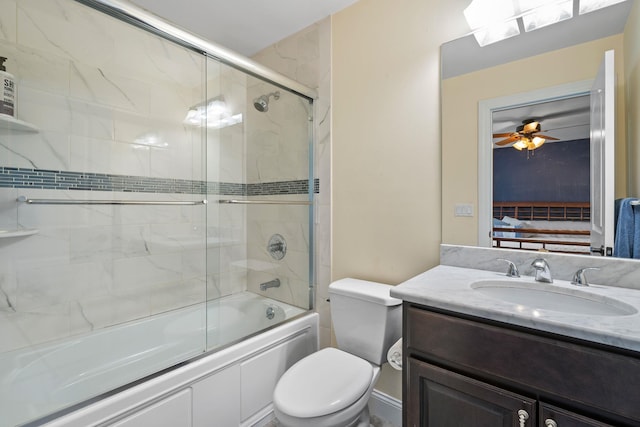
(560, 55)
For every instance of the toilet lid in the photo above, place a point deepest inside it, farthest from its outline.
(323, 383)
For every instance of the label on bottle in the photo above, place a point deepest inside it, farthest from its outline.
(7, 100)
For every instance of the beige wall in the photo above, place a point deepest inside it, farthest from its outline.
(632, 75)
(460, 96)
(386, 140)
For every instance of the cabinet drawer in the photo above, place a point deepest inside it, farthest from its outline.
(550, 414)
(590, 379)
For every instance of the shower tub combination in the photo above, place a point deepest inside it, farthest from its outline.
(138, 284)
(40, 380)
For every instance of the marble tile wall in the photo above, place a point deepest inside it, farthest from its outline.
(292, 223)
(109, 102)
(107, 99)
(99, 100)
(306, 57)
(278, 146)
(226, 152)
(90, 267)
(270, 153)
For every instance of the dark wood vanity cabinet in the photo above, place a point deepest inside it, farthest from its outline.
(549, 414)
(447, 399)
(461, 371)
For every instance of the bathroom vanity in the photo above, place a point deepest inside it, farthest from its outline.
(475, 358)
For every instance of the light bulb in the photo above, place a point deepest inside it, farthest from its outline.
(537, 142)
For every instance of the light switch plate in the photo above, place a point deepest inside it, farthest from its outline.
(463, 210)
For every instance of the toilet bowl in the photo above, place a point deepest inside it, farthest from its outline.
(331, 388)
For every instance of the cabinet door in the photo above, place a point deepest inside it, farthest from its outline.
(550, 416)
(440, 398)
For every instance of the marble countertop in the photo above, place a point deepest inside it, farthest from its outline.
(449, 288)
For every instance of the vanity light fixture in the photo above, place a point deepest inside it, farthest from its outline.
(540, 13)
(492, 20)
(587, 6)
(495, 20)
(214, 113)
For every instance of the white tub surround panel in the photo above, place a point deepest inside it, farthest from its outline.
(41, 379)
(218, 396)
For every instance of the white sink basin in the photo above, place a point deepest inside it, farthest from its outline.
(544, 296)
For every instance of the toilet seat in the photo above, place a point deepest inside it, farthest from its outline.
(323, 383)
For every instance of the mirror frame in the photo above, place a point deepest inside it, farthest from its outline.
(485, 142)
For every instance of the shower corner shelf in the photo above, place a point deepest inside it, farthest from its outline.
(9, 123)
(21, 232)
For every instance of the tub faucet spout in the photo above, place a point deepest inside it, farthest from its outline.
(275, 283)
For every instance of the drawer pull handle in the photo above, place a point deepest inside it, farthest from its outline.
(523, 416)
(550, 423)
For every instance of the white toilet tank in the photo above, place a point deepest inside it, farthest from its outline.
(366, 319)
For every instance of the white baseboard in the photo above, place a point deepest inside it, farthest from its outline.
(262, 418)
(380, 404)
(386, 407)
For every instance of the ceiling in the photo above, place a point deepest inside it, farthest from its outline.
(245, 26)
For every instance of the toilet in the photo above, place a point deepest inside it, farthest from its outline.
(331, 388)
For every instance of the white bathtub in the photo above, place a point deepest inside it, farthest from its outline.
(37, 381)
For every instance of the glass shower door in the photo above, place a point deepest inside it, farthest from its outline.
(109, 286)
(260, 203)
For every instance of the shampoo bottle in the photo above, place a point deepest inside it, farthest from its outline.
(8, 97)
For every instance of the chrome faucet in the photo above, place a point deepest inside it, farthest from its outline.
(580, 278)
(275, 283)
(543, 273)
(512, 269)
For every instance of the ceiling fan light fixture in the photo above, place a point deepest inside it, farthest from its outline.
(529, 126)
(544, 13)
(520, 144)
(537, 142)
(587, 6)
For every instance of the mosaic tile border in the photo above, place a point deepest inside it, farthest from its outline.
(62, 180)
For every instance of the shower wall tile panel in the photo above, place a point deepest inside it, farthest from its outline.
(291, 222)
(109, 102)
(95, 266)
(304, 57)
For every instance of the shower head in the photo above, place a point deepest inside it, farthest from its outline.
(262, 103)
